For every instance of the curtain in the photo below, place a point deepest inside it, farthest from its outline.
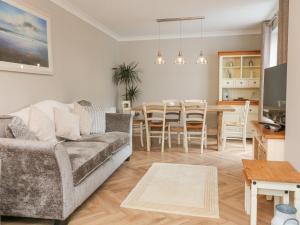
(283, 22)
(267, 27)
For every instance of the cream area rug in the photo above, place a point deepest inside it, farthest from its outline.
(190, 190)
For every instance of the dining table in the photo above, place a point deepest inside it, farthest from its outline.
(218, 109)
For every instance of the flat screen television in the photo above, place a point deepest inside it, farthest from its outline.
(274, 101)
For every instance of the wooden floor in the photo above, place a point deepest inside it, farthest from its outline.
(103, 208)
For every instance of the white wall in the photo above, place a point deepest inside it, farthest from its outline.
(189, 81)
(293, 84)
(83, 58)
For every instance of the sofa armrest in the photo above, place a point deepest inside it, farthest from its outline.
(118, 122)
(32, 179)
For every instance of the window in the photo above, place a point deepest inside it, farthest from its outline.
(273, 47)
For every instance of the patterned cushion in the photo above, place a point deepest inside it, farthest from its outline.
(5, 131)
(98, 116)
(20, 130)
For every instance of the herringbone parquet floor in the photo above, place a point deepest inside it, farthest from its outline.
(103, 207)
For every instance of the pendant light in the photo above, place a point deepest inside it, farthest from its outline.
(159, 59)
(180, 59)
(201, 59)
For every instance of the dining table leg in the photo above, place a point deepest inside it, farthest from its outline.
(219, 130)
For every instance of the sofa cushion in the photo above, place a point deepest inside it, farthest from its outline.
(86, 157)
(20, 130)
(5, 131)
(115, 140)
(98, 117)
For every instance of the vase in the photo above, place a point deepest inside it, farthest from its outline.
(285, 215)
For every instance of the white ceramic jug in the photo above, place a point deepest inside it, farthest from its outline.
(285, 215)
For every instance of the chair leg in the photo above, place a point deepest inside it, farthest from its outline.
(148, 140)
(224, 143)
(169, 136)
(205, 139)
(245, 143)
(178, 138)
(202, 142)
(142, 135)
(163, 141)
(185, 142)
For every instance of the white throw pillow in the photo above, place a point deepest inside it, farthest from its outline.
(85, 119)
(66, 125)
(41, 125)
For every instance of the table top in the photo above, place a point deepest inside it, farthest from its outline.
(210, 108)
(267, 133)
(272, 171)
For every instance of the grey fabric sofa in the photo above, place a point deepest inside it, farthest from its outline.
(49, 181)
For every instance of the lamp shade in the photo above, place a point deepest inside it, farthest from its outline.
(159, 59)
(179, 59)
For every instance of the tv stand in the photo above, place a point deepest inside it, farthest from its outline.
(267, 144)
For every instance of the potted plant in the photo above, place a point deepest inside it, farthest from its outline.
(128, 75)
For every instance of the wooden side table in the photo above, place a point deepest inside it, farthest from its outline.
(271, 175)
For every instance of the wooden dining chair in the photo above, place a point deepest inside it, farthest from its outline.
(138, 124)
(155, 120)
(173, 117)
(194, 122)
(240, 125)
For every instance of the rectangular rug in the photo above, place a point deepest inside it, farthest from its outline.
(190, 190)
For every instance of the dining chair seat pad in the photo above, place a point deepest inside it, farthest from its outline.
(234, 124)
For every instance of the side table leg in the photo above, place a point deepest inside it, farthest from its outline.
(297, 201)
(253, 216)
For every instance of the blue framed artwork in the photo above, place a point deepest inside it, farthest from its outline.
(25, 43)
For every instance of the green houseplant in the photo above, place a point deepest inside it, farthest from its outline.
(128, 75)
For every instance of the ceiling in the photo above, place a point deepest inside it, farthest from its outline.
(135, 19)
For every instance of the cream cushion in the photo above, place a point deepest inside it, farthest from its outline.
(84, 118)
(46, 107)
(67, 125)
(41, 125)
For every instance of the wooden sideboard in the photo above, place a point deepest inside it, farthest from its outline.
(267, 144)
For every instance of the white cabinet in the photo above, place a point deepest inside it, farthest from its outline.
(239, 75)
(239, 78)
(267, 145)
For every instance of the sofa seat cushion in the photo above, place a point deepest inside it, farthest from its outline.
(86, 157)
(115, 139)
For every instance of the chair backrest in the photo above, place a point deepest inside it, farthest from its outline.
(154, 112)
(194, 110)
(245, 112)
(126, 106)
(173, 114)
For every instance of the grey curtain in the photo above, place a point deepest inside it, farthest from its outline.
(267, 27)
(283, 22)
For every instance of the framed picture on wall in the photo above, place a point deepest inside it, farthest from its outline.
(25, 43)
